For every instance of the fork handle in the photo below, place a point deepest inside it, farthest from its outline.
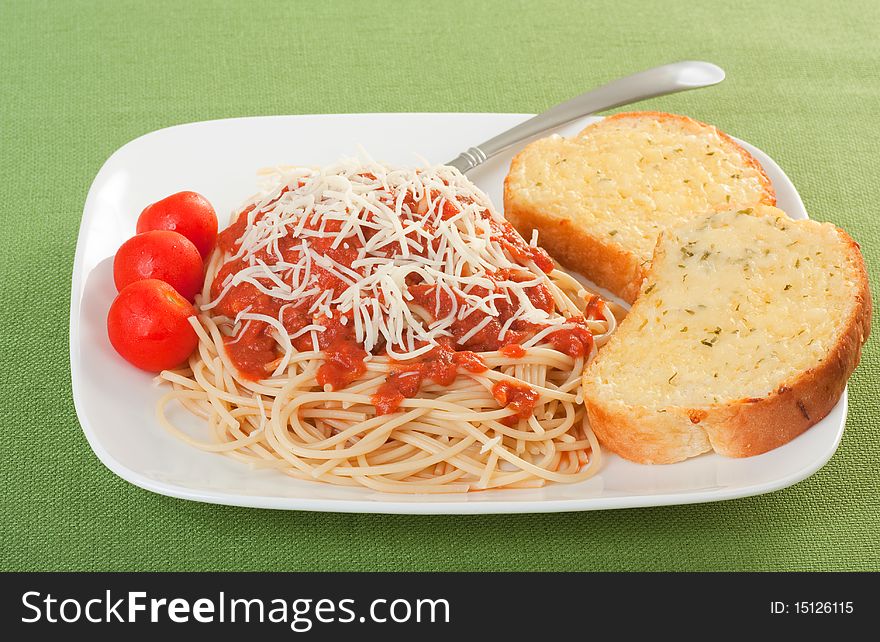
(658, 81)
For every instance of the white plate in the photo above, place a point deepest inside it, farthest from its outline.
(115, 402)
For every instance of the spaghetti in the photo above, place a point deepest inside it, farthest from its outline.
(385, 327)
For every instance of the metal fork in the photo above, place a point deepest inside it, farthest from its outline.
(658, 81)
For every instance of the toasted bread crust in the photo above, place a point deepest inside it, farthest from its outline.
(746, 427)
(607, 264)
(645, 436)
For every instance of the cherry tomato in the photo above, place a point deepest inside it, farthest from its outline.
(160, 254)
(147, 325)
(188, 213)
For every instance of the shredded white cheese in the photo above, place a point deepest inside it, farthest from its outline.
(394, 218)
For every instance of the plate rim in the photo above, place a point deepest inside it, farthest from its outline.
(391, 505)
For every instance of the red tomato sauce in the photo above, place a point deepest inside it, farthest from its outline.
(575, 342)
(515, 396)
(343, 363)
(594, 308)
(441, 304)
(255, 353)
(513, 350)
(515, 244)
(441, 366)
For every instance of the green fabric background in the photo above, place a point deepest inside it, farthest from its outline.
(79, 79)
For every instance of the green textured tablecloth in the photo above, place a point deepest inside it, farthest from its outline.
(79, 79)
